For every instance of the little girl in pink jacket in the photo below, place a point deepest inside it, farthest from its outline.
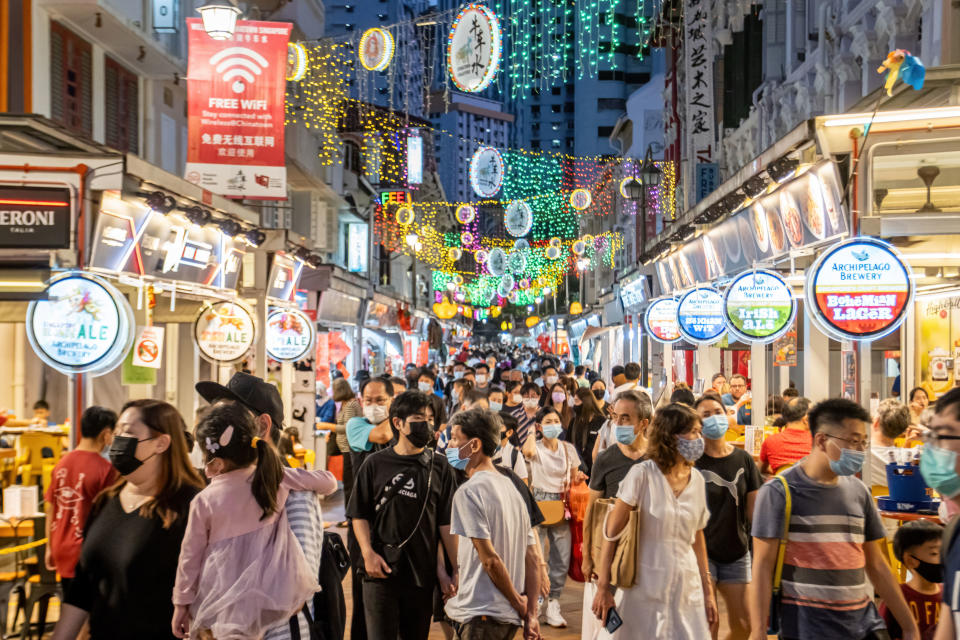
(241, 569)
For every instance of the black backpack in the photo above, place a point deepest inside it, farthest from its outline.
(328, 603)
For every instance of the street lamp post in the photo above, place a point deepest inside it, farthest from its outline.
(219, 19)
(650, 176)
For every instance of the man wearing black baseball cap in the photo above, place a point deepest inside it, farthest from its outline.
(303, 509)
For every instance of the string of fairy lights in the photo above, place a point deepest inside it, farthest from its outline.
(336, 84)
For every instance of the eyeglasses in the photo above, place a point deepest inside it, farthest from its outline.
(935, 439)
(859, 445)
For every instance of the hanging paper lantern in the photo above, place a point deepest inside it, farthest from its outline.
(481, 255)
(495, 312)
(503, 325)
(575, 308)
(453, 254)
(466, 238)
(405, 215)
(518, 218)
(552, 252)
(580, 199)
(532, 321)
(497, 262)
(376, 49)
(517, 262)
(297, 61)
(466, 214)
(486, 172)
(578, 247)
(555, 242)
(474, 48)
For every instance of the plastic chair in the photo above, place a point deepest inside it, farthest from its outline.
(310, 457)
(293, 462)
(37, 452)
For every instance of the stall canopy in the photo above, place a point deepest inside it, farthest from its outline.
(392, 339)
(594, 332)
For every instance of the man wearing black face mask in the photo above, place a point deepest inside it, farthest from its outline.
(401, 499)
(917, 545)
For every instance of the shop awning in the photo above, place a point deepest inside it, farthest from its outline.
(594, 332)
(393, 339)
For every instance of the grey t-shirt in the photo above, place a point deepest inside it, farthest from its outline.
(824, 585)
(488, 507)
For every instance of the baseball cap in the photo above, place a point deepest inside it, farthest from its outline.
(250, 391)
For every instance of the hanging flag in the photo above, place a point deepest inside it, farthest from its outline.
(236, 110)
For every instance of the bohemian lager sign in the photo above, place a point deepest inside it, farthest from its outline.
(224, 331)
(290, 335)
(83, 325)
(859, 290)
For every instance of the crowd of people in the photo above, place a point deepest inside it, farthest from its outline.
(459, 485)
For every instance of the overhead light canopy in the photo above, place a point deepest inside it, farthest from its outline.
(219, 19)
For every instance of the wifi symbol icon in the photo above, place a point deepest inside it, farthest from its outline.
(239, 64)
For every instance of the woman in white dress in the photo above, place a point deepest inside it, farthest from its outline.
(672, 597)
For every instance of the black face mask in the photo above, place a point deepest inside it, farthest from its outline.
(598, 394)
(123, 454)
(929, 571)
(420, 433)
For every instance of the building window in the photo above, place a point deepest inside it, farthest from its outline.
(351, 157)
(555, 108)
(555, 91)
(604, 132)
(534, 144)
(611, 104)
(121, 107)
(348, 8)
(555, 143)
(638, 78)
(611, 75)
(742, 71)
(71, 79)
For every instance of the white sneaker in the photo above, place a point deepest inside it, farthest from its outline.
(554, 619)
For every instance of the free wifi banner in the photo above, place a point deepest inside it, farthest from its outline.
(236, 110)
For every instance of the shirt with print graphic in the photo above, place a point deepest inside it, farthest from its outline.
(728, 481)
(824, 589)
(74, 483)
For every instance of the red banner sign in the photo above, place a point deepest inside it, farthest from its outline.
(423, 353)
(236, 110)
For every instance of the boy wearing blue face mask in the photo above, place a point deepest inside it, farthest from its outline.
(834, 540)
(732, 480)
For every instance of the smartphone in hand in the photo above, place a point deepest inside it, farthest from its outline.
(613, 620)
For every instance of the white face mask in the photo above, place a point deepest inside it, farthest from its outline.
(481, 379)
(517, 398)
(551, 380)
(531, 403)
(426, 387)
(374, 413)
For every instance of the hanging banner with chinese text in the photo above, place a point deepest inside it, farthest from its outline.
(236, 110)
(699, 120)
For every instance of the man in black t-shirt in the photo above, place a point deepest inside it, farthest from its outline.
(400, 511)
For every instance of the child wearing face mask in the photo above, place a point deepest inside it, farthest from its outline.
(917, 545)
(241, 570)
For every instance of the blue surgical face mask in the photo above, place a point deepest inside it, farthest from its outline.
(453, 457)
(850, 462)
(938, 466)
(625, 434)
(691, 450)
(496, 406)
(457, 375)
(714, 427)
(538, 381)
(552, 430)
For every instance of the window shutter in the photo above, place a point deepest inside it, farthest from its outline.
(71, 80)
(121, 107)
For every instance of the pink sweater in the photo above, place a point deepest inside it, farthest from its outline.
(227, 509)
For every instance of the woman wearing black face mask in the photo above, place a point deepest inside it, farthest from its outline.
(128, 561)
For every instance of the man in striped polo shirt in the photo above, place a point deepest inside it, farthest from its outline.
(834, 540)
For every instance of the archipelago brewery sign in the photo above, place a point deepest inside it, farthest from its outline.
(759, 306)
(290, 335)
(224, 331)
(700, 316)
(83, 325)
(34, 218)
(859, 290)
(661, 320)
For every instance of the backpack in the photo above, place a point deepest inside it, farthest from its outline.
(328, 603)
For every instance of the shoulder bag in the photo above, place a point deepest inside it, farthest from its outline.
(773, 620)
(556, 511)
(391, 553)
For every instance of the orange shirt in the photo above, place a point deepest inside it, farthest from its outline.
(786, 447)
